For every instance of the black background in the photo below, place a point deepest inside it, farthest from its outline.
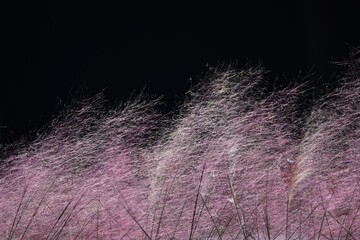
(57, 51)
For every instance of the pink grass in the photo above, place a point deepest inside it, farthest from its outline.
(230, 166)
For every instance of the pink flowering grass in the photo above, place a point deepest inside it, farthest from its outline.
(235, 163)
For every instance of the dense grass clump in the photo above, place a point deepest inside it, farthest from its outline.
(235, 163)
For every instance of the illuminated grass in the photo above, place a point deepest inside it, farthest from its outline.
(232, 165)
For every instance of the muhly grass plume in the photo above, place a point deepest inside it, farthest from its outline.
(328, 179)
(235, 163)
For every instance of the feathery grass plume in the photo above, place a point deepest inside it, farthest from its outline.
(68, 183)
(229, 166)
(327, 184)
(229, 134)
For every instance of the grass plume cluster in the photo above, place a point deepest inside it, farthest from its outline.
(235, 163)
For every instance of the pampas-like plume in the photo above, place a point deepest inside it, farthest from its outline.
(232, 165)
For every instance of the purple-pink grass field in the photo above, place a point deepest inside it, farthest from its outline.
(235, 162)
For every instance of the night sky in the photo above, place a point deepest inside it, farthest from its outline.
(58, 51)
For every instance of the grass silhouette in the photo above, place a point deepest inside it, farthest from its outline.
(236, 163)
